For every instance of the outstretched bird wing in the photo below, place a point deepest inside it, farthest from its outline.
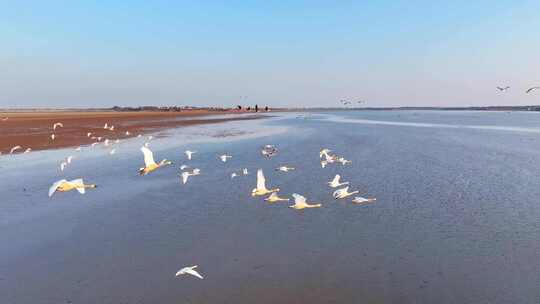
(261, 181)
(531, 89)
(14, 149)
(339, 192)
(55, 186)
(79, 185)
(299, 199)
(185, 177)
(148, 156)
(194, 273)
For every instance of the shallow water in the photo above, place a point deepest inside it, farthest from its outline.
(456, 218)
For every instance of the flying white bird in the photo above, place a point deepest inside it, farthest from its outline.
(330, 158)
(285, 169)
(275, 198)
(189, 270)
(189, 153)
(233, 175)
(69, 159)
(261, 185)
(14, 149)
(336, 182)
(106, 126)
(300, 202)
(532, 89)
(503, 88)
(224, 157)
(63, 166)
(362, 200)
(269, 151)
(343, 193)
(323, 152)
(185, 175)
(149, 163)
(56, 125)
(111, 128)
(182, 167)
(64, 186)
(112, 152)
(344, 161)
(245, 171)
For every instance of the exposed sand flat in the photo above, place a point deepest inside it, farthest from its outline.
(33, 129)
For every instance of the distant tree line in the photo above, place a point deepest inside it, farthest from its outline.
(182, 108)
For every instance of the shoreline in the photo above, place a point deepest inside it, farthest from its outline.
(34, 129)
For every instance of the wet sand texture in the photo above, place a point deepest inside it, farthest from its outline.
(34, 129)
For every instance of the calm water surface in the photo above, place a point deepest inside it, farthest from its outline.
(456, 218)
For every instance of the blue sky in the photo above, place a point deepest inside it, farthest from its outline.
(280, 53)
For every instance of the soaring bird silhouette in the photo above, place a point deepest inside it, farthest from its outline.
(532, 89)
(189, 270)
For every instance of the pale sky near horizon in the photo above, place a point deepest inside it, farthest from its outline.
(277, 53)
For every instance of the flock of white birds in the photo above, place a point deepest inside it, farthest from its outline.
(150, 165)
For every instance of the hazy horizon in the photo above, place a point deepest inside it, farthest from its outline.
(294, 54)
